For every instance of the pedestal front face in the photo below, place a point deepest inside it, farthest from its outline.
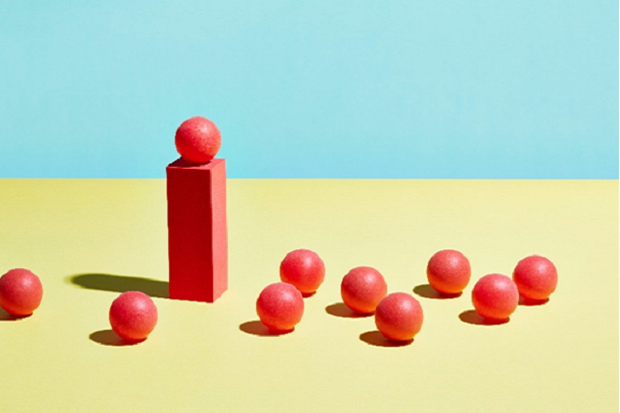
(197, 234)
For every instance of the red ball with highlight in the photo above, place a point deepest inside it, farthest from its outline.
(280, 306)
(399, 317)
(21, 292)
(448, 272)
(304, 269)
(198, 140)
(133, 315)
(362, 289)
(495, 296)
(536, 277)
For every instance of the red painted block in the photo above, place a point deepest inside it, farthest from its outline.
(197, 234)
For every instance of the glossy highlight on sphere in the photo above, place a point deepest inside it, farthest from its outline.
(399, 317)
(448, 272)
(21, 292)
(536, 277)
(280, 306)
(133, 315)
(362, 289)
(304, 269)
(198, 140)
(495, 296)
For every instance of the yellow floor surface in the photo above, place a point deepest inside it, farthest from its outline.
(89, 240)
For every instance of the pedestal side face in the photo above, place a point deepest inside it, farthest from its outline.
(219, 230)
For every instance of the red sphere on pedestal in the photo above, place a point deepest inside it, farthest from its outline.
(399, 317)
(304, 269)
(536, 277)
(21, 292)
(198, 140)
(448, 272)
(495, 296)
(133, 315)
(280, 306)
(362, 289)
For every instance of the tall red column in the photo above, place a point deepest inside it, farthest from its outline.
(197, 233)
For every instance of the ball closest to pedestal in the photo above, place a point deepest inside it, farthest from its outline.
(133, 315)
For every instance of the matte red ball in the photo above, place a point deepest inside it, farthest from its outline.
(133, 315)
(304, 269)
(280, 306)
(399, 317)
(495, 296)
(21, 292)
(448, 272)
(536, 277)
(362, 289)
(198, 140)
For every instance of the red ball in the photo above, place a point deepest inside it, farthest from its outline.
(304, 269)
(495, 296)
(536, 277)
(133, 315)
(362, 289)
(448, 272)
(399, 317)
(280, 306)
(21, 292)
(198, 140)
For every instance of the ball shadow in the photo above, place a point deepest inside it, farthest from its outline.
(472, 317)
(375, 338)
(341, 310)
(426, 291)
(120, 284)
(4, 316)
(256, 328)
(528, 302)
(110, 338)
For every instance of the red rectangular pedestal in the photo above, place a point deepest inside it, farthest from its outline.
(197, 234)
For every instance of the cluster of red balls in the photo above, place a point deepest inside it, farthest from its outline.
(494, 296)
(399, 316)
(280, 306)
(133, 314)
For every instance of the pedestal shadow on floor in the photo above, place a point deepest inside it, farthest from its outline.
(120, 284)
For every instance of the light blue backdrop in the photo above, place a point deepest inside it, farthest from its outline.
(323, 89)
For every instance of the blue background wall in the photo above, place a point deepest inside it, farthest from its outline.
(406, 89)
